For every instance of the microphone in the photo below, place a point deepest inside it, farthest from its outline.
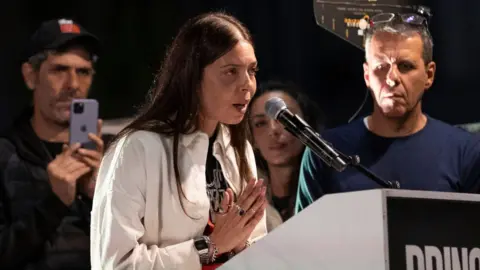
(276, 109)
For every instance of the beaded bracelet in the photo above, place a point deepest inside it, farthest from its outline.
(213, 258)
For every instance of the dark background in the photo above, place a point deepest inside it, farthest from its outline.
(289, 45)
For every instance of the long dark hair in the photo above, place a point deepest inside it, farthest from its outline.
(312, 114)
(173, 104)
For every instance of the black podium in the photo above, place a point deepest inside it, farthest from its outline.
(375, 229)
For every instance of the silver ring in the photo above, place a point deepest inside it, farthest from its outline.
(221, 211)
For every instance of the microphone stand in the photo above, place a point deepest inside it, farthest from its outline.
(354, 162)
(342, 160)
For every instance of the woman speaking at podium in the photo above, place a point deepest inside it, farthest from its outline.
(158, 201)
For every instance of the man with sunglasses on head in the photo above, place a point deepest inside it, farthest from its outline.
(397, 142)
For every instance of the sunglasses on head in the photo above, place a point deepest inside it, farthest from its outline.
(420, 16)
(409, 18)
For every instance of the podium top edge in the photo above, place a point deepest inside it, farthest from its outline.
(435, 195)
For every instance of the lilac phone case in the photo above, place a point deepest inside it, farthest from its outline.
(83, 121)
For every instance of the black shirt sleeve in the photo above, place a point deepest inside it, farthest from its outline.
(22, 238)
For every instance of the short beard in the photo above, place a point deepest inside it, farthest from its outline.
(60, 123)
(401, 120)
(63, 124)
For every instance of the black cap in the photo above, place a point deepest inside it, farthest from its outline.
(60, 33)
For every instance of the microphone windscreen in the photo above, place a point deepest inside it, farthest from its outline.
(274, 106)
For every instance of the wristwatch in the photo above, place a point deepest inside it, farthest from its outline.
(202, 244)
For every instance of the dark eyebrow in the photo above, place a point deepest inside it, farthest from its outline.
(60, 66)
(85, 68)
(230, 65)
(407, 60)
(67, 66)
(260, 115)
(238, 65)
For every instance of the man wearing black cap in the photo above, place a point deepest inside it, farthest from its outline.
(46, 186)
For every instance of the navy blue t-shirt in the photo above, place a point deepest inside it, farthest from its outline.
(440, 157)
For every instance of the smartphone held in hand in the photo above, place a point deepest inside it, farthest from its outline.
(83, 120)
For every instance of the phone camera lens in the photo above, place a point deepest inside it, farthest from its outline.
(78, 108)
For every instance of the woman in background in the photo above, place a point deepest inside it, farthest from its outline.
(158, 201)
(278, 153)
